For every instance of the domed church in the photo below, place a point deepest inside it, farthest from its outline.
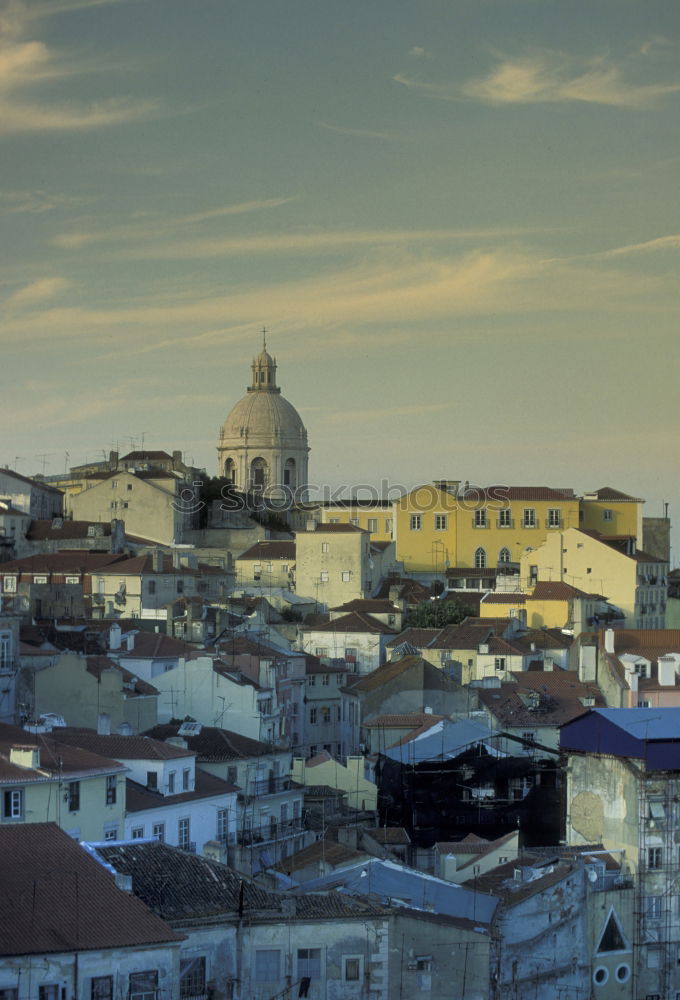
(263, 442)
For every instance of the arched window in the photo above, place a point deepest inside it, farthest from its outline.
(258, 474)
(230, 470)
(480, 558)
(503, 556)
(289, 473)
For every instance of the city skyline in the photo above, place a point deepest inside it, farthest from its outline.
(454, 219)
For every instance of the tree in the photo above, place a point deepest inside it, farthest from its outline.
(437, 614)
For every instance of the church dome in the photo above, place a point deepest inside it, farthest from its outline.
(265, 417)
(263, 442)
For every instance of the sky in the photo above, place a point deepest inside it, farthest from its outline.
(457, 219)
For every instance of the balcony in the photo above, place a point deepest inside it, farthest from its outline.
(266, 786)
(261, 835)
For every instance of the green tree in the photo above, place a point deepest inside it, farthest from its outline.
(437, 614)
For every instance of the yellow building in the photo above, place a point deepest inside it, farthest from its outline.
(633, 581)
(46, 781)
(442, 525)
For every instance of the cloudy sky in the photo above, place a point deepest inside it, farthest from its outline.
(458, 220)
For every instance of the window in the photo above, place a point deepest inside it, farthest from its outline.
(180, 586)
(114, 484)
(312, 715)
(110, 833)
(184, 834)
(388, 525)
(325, 714)
(192, 977)
(39, 579)
(441, 522)
(13, 804)
(654, 857)
(9, 584)
(101, 988)
(159, 831)
(137, 832)
(346, 576)
(171, 783)
(372, 524)
(499, 663)
(505, 518)
(480, 558)
(48, 991)
(73, 796)
(151, 780)
(503, 557)
(144, 985)
(480, 518)
(319, 651)
(309, 963)
(111, 786)
(152, 587)
(529, 518)
(222, 825)
(607, 515)
(323, 576)
(324, 546)
(71, 579)
(415, 522)
(267, 965)
(186, 775)
(232, 774)
(351, 653)
(354, 521)
(325, 680)
(554, 517)
(352, 970)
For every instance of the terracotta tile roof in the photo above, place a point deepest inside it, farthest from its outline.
(503, 598)
(497, 493)
(213, 744)
(408, 589)
(384, 504)
(57, 756)
(136, 565)
(355, 621)
(557, 590)
(420, 638)
(387, 672)
(146, 456)
(181, 886)
(371, 606)
(608, 493)
(270, 549)
(500, 882)
(555, 694)
(43, 530)
(140, 799)
(474, 572)
(325, 850)
(650, 643)
(475, 847)
(56, 898)
(548, 638)
(122, 747)
(76, 561)
(508, 647)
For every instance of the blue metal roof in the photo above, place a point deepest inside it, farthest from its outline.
(398, 885)
(442, 742)
(649, 734)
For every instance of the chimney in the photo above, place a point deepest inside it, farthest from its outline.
(609, 640)
(114, 636)
(176, 559)
(310, 525)
(157, 561)
(103, 724)
(130, 641)
(176, 459)
(666, 671)
(25, 756)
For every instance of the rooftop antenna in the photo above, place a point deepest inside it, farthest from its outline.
(17, 458)
(44, 458)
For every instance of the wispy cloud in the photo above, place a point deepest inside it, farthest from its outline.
(314, 242)
(37, 202)
(161, 228)
(27, 64)
(38, 291)
(362, 133)
(548, 77)
(418, 52)
(671, 242)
